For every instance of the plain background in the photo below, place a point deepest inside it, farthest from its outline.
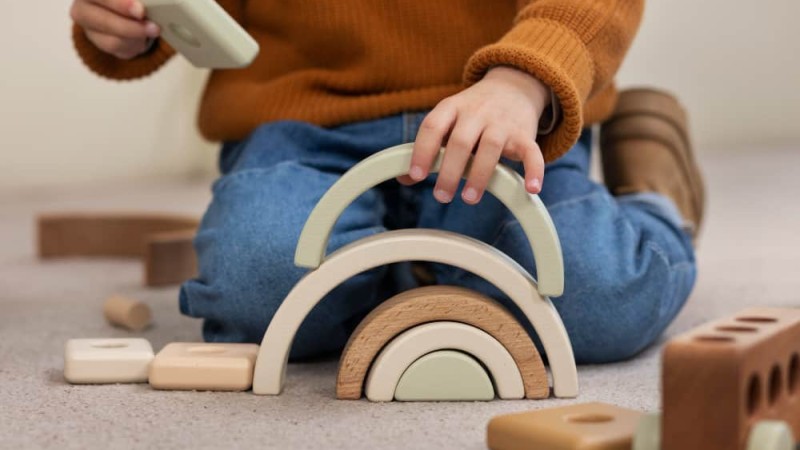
(734, 63)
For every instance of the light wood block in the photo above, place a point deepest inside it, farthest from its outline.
(402, 351)
(444, 375)
(204, 367)
(422, 245)
(721, 379)
(505, 184)
(588, 426)
(127, 313)
(169, 258)
(441, 303)
(101, 361)
(163, 241)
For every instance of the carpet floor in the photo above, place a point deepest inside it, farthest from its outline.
(748, 256)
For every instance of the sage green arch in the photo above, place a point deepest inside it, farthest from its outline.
(505, 184)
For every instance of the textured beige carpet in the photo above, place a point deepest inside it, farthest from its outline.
(749, 256)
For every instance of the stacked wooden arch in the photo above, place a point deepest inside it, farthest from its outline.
(419, 329)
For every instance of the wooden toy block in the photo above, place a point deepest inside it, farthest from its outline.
(588, 426)
(163, 241)
(99, 361)
(723, 379)
(440, 303)
(169, 258)
(401, 353)
(444, 375)
(505, 184)
(127, 313)
(204, 367)
(423, 245)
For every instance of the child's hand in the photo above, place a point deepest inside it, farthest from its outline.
(117, 27)
(500, 114)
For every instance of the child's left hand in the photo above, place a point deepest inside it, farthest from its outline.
(500, 115)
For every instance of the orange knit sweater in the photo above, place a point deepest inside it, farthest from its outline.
(330, 62)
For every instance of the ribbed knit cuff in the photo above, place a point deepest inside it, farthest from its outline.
(109, 66)
(556, 56)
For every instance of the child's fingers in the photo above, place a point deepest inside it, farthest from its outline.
(486, 158)
(121, 48)
(462, 140)
(532, 161)
(432, 132)
(130, 8)
(98, 19)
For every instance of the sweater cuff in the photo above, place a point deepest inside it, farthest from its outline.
(109, 66)
(556, 56)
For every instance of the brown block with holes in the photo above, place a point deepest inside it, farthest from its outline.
(588, 426)
(722, 378)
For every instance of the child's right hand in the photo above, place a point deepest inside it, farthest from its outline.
(117, 27)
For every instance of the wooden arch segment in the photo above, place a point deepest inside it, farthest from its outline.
(505, 184)
(163, 241)
(436, 246)
(433, 304)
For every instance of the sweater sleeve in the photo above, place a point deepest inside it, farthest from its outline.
(573, 46)
(109, 66)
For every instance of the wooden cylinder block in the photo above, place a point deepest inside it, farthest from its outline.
(127, 313)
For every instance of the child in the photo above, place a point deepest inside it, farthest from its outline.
(513, 79)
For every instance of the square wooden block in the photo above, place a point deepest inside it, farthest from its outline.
(588, 426)
(204, 367)
(97, 361)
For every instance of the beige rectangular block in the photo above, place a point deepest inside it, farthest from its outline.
(204, 367)
(587, 426)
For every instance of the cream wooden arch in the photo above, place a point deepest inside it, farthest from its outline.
(416, 245)
(417, 342)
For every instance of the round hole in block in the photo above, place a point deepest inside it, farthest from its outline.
(753, 394)
(714, 339)
(794, 374)
(590, 418)
(207, 349)
(756, 319)
(110, 344)
(775, 384)
(737, 329)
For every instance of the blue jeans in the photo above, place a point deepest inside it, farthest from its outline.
(629, 267)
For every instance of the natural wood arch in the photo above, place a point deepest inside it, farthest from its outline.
(163, 241)
(433, 304)
(401, 351)
(506, 185)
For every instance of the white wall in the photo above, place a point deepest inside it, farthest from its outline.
(735, 63)
(61, 124)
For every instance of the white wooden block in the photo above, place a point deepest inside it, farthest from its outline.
(416, 245)
(204, 367)
(98, 361)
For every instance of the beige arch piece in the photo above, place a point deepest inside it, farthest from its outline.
(505, 184)
(402, 351)
(416, 245)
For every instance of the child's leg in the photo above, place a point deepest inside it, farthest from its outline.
(247, 238)
(628, 265)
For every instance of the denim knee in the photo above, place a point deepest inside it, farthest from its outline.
(613, 318)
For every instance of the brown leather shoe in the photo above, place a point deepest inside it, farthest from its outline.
(645, 147)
